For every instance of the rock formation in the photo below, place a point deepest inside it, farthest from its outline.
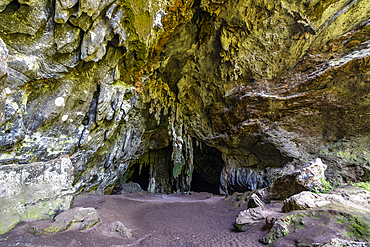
(123, 86)
(34, 191)
(311, 219)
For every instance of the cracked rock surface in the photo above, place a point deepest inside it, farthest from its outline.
(122, 86)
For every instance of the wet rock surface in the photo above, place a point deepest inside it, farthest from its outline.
(3, 76)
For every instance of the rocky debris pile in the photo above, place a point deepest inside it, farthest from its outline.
(309, 218)
(37, 191)
(80, 219)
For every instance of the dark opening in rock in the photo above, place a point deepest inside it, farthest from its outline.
(208, 164)
(12, 7)
(140, 176)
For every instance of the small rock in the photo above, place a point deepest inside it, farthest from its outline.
(131, 188)
(119, 227)
(255, 201)
(248, 218)
(279, 229)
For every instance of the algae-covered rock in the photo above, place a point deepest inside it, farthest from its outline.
(36, 191)
(319, 226)
(86, 217)
(337, 242)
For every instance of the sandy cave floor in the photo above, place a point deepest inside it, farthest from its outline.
(198, 219)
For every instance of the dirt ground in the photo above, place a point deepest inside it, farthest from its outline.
(198, 219)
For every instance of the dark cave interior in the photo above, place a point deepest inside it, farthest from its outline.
(208, 164)
(141, 176)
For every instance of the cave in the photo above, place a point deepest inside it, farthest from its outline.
(12, 7)
(140, 175)
(208, 164)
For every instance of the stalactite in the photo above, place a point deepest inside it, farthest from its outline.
(182, 154)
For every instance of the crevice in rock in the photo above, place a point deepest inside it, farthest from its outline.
(208, 164)
(12, 7)
(140, 175)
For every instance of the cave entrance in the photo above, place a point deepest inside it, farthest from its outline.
(208, 164)
(140, 175)
(134, 176)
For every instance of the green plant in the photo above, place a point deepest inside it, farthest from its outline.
(326, 186)
(365, 185)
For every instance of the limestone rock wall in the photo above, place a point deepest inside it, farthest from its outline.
(35, 191)
(75, 73)
(271, 84)
(274, 83)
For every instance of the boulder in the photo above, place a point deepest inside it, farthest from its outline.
(308, 200)
(346, 196)
(86, 217)
(307, 179)
(311, 176)
(37, 191)
(248, 218)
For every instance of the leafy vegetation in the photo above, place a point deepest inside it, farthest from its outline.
(365, 185)
(326, 186)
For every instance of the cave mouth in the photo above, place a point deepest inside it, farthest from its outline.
(12, 7)
(140, 175)
(208, 164)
